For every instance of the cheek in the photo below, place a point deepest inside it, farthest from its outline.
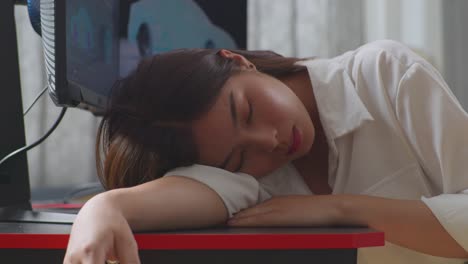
(283, 101)
(276, 108)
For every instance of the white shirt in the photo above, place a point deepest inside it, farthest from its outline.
(394, 130)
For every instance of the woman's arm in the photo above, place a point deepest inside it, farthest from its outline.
(169, 203)
(103, 227)
(408, 223)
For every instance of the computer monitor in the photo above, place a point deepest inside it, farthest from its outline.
(88, 45)
(92, 43)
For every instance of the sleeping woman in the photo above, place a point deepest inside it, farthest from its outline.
(197, 138)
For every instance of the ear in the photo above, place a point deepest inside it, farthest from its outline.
(241, 60)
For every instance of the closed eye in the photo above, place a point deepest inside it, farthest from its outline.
(249, 116)
(242, 153)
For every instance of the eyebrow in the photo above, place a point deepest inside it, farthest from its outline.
(232, 106)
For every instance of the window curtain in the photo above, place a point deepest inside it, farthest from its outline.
(455, 43)
(305, 28)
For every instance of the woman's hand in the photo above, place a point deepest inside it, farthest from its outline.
(100, 232)
(297, 210)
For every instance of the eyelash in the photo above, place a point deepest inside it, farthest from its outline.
(248, 120)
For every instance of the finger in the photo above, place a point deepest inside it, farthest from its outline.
(87, 254)
(252, 211)
(95, 257)
(266, 219)
(111, 254)
(87, 257)
(128, 252)
(127, 249)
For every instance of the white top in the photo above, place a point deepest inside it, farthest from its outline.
(394, 130)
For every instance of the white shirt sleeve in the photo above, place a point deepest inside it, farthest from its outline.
(237, 190)
(437, 129)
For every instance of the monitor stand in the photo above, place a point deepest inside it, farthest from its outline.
(15, 193)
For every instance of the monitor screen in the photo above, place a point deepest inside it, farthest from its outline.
(92, 48)
(90, 44)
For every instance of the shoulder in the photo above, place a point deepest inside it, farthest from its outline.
(374, 62)
(390, 61)
(385, 58)
(383, 65)
(387, 51)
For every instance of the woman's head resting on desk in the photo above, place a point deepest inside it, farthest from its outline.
(237, 110)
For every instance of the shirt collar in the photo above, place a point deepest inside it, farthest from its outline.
(341, 110)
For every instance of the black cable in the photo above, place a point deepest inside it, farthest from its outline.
(35, 100)
(28, 147)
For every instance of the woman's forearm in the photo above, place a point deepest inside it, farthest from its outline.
(168, 203)
(408, 223)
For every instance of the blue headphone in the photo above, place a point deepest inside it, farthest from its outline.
(34, 7)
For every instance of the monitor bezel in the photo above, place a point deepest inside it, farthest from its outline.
(68, 93)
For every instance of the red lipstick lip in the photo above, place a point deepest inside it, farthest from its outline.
(296, 141)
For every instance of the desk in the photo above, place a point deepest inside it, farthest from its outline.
(46, 243)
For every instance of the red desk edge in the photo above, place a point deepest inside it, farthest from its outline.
(211, 241)
(206, 241)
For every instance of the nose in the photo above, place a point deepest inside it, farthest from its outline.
(264, 139)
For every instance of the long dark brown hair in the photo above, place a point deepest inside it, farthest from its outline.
(146, 130)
